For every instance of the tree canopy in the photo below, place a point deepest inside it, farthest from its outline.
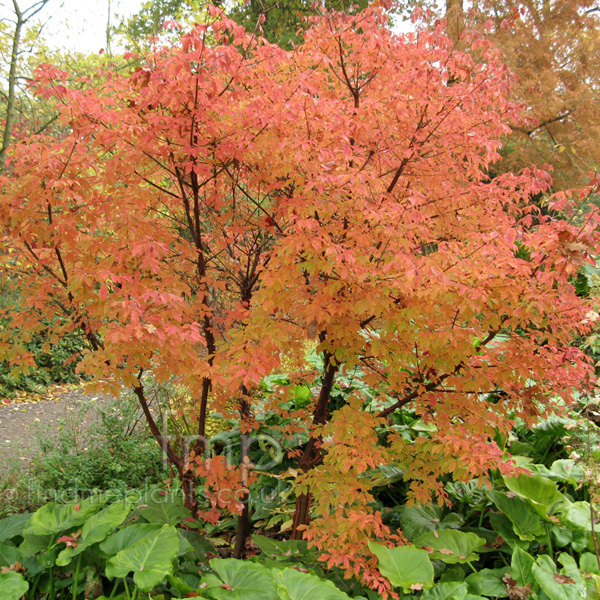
(553, 49)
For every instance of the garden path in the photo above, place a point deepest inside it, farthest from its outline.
(26, 417)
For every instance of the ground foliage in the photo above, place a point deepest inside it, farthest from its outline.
(54, 363)
(228, 201)
(54, 358)
(114, 451)
(74, 448)
(529, 537)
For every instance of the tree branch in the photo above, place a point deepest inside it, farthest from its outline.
(542, 124)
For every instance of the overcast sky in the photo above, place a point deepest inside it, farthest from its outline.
(76, 25)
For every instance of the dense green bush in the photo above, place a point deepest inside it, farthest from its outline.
(113, 451)
(525, 537)
(54, 363)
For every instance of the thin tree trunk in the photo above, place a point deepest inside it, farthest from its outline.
(108, 32)
(312, 453)
(455, 19)
(22, 16)
(243, 524)
(12, 84)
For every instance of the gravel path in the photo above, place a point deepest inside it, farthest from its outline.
(21, 423)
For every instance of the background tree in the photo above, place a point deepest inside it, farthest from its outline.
(14, 44)
(554, 50)
(281, 23)
(228, 202)
(23, 48)
(150, 20)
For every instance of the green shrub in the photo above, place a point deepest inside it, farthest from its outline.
(113, 451)
(54, 363)
(15, 484)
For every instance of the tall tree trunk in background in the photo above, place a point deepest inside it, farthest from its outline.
(108, 31)
(22, 16)
(455, 18)
(12, 84)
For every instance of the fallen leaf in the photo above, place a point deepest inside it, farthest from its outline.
(563, 578)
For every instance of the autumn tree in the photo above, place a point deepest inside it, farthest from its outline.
(217, 209)
(554, 50)
(23, 48)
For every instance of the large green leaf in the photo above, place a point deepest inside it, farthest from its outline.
(184, 544)
(32, 544)
(150, 558)
(8, 555)
(592, 584)
(450, 590)
(566, 585)
(404, 566)
(581, 540)
(504, 527)
(539, 491)
(55, 518)
(488, 582)
(13, 526)
(33, 566)
(570, 567)
(95, 529)
(566, 469)
(165, 510)
(452, 573)
(12, 586)
(127, 537)
(578, 515)
(526, 522)
(561, 536)
(180, 586)
(287, 549)
(385, 475)
(451, 546)
(244, 581)
(304, 586)
(521, 566)
(200, 545)
(416, 520)
(588, 563)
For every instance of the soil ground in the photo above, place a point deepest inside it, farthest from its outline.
(26, 417)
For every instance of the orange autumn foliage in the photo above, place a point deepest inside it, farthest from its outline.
(228, 200)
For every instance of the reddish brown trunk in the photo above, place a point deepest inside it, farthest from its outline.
(312, 453)
(301, 515)
(243, 526)
(188, 487)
